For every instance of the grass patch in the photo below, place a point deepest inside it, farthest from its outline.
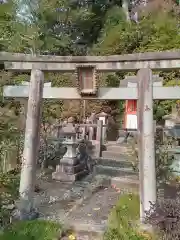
(32, 230)
(121, 219)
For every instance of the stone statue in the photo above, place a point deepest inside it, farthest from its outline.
(83, 154)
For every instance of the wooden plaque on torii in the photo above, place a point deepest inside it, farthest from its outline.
(86, 80)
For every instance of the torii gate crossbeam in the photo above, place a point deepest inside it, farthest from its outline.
(126, 93)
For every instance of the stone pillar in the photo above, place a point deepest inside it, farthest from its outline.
(103, 117)
(30, 153)
(146, 141)
(99, 138)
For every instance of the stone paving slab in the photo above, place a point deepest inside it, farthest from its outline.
(56, 191)
(93, 213)
(56, 199)
(83, 205)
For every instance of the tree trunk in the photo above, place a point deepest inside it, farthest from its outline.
(125, 6)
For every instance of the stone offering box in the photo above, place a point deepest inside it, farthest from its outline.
(70, 168)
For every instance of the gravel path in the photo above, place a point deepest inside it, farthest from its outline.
(92, 214)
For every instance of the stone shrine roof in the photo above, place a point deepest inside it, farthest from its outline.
(69, 129)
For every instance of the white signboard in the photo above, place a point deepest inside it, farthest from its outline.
(131, 122)
(103, 119)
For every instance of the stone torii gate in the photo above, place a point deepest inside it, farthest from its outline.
(87, 88)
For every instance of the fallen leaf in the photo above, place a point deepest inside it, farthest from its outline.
(72, 237)
(89, 214)
(96, 209)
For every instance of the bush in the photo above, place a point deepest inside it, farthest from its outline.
(32, 230)
(9, 184)
(163, 159)
(165, 217)
(122, 219)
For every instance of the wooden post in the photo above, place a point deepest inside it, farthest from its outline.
(99, 138)
(147, 169)
(31, 144)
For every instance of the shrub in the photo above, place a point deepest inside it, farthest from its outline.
(122, 218)
(32, 230)
(9, 183)
(163, 159)
(165, 217)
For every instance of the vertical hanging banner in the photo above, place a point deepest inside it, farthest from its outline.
(86, 80)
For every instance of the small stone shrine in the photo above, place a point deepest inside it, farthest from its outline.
(70, 167)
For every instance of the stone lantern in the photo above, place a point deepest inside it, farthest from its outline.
(70, 168)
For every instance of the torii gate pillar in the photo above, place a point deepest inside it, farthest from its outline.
(147, 168)
(31, 145)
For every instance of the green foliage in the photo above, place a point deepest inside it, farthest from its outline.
(156, 31)
(10, 126)
(9, 184)
(32, 230)
(164, 159)
(122, 219)
(7, 23)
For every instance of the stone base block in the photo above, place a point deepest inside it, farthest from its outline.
(70, 169)
(22, 215)
(69, 161)
(64, 177)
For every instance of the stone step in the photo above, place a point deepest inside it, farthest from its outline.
(113, 162)
(113, 171)
(91, 216)
(128, 183)
(63, 177)
(85, 235)
(93, 227)
(118, 148)
(116, 155)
